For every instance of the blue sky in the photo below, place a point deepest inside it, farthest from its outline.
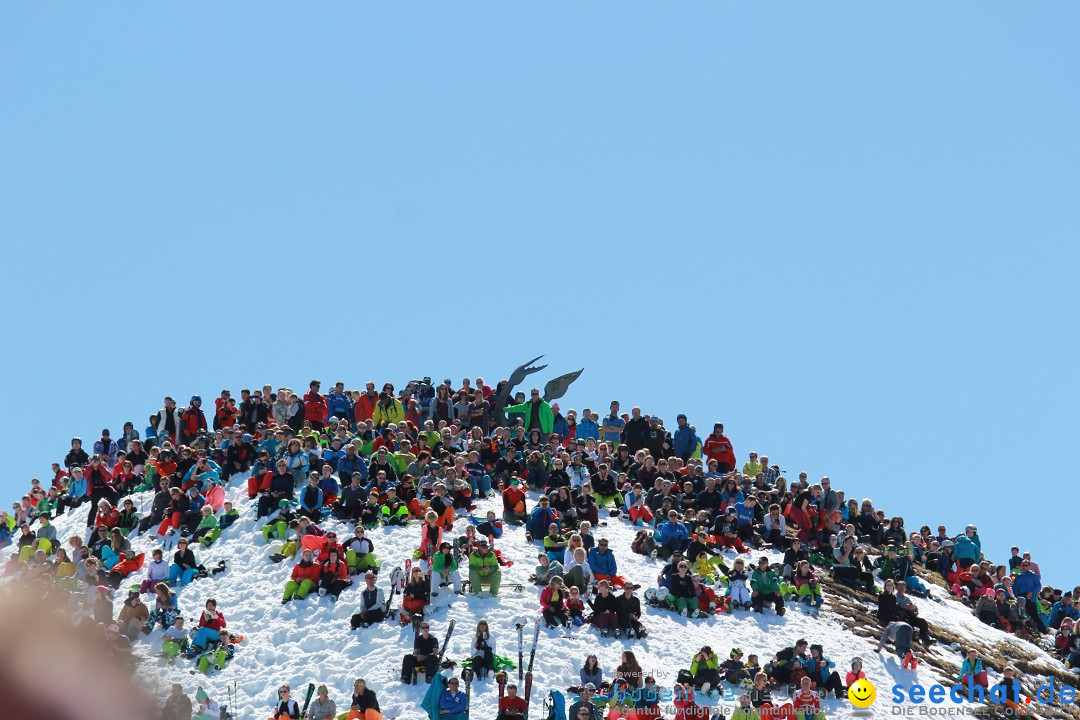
(848, 231)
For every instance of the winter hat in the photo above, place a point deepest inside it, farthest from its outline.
(201, 695)
(736, 652)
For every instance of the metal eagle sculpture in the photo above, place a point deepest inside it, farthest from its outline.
(554, 389)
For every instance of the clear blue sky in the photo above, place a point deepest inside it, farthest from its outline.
(847, 230)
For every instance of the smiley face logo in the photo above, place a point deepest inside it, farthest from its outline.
(862, 693)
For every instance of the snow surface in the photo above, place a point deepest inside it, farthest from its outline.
(311, 640)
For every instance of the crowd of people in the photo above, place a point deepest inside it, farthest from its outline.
(423, 456)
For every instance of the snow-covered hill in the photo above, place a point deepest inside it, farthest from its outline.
(311, 640)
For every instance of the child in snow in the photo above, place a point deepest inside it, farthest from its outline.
(855, 673)
(575, 606)
(174, 640)
(972, 670)
(805, 702)
(546, 569)
(737, 592)
(807, 588)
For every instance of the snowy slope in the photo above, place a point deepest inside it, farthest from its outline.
(311, 641)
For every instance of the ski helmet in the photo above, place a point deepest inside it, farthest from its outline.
(195, 398)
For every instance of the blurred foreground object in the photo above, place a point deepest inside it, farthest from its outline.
(60, 668)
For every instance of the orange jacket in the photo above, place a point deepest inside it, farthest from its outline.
(341, 572)
(365, 407)
(129, 565)
(312, 572)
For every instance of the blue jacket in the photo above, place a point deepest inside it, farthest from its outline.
(298, 464)
(1026, 582)
(684, 441)
(667, 532)
(197, 503)
(967, 669)
(631, 498)
(353, 466)
(728, 498)
(339, 403)
(965, 547)
(77, 488)
(329, 485)
(303, 497)
(333, 457)
(560, 426)
(819, 675)
(603, 564)
(744, 513)
(453, 703)
(214, 473)
(538, 522)
(587, 429)
(1059, 611)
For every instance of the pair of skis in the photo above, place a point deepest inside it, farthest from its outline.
(397, 581)
(529, 671)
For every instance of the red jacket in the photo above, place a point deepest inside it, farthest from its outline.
(365, 406)
(192, 421)
(312, 572)
(315, 407)
(108, 518)
(719, 449)
(341, 571)
(517, 704)
(805, 699)
(216, 624)
(225, 413)
(548, 604)
(58, 480)
(689, 710)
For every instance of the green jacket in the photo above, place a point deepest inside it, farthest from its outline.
(547, 419)
(712, 664)
(485, 565)
(764, 582)
(209, 522)
(438, 563)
